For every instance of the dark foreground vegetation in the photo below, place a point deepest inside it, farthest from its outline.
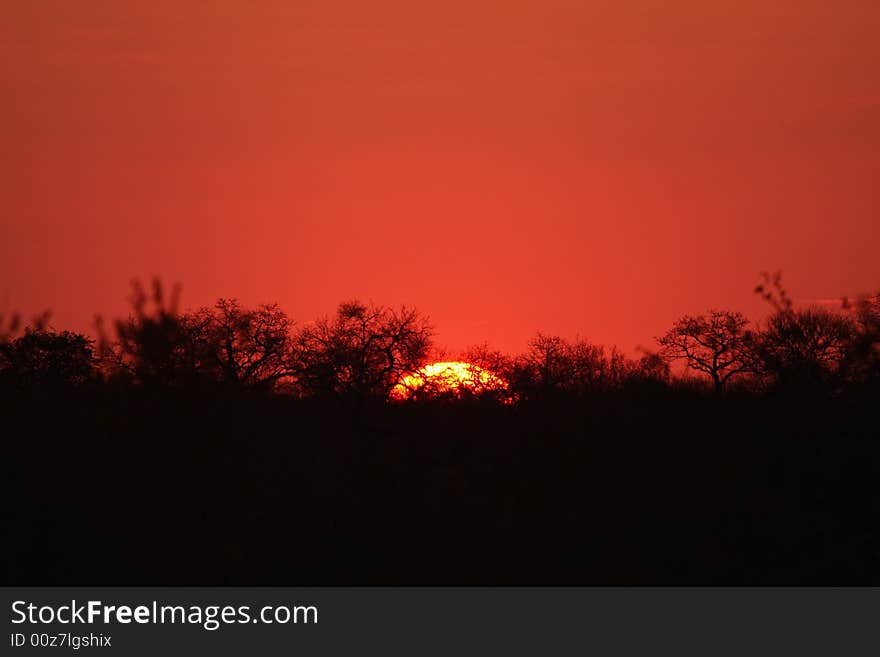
(226, 447)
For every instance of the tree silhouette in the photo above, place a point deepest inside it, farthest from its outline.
(651, 367)
(544, 370)
(362, 352)
(593, 370)
(152, 344)
(554, 367)
(498, 364)
(805, 347)
(242, 347)
(717, 344)
(45, 358)
(863, 359)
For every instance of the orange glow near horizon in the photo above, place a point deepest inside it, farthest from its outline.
(448, 378)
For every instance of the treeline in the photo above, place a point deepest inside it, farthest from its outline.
(230, 445)
(363, 351)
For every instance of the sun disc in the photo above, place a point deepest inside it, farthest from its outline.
(448, 378)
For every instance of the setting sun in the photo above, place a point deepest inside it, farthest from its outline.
(448, 378)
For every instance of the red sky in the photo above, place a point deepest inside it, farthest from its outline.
(581, 167)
